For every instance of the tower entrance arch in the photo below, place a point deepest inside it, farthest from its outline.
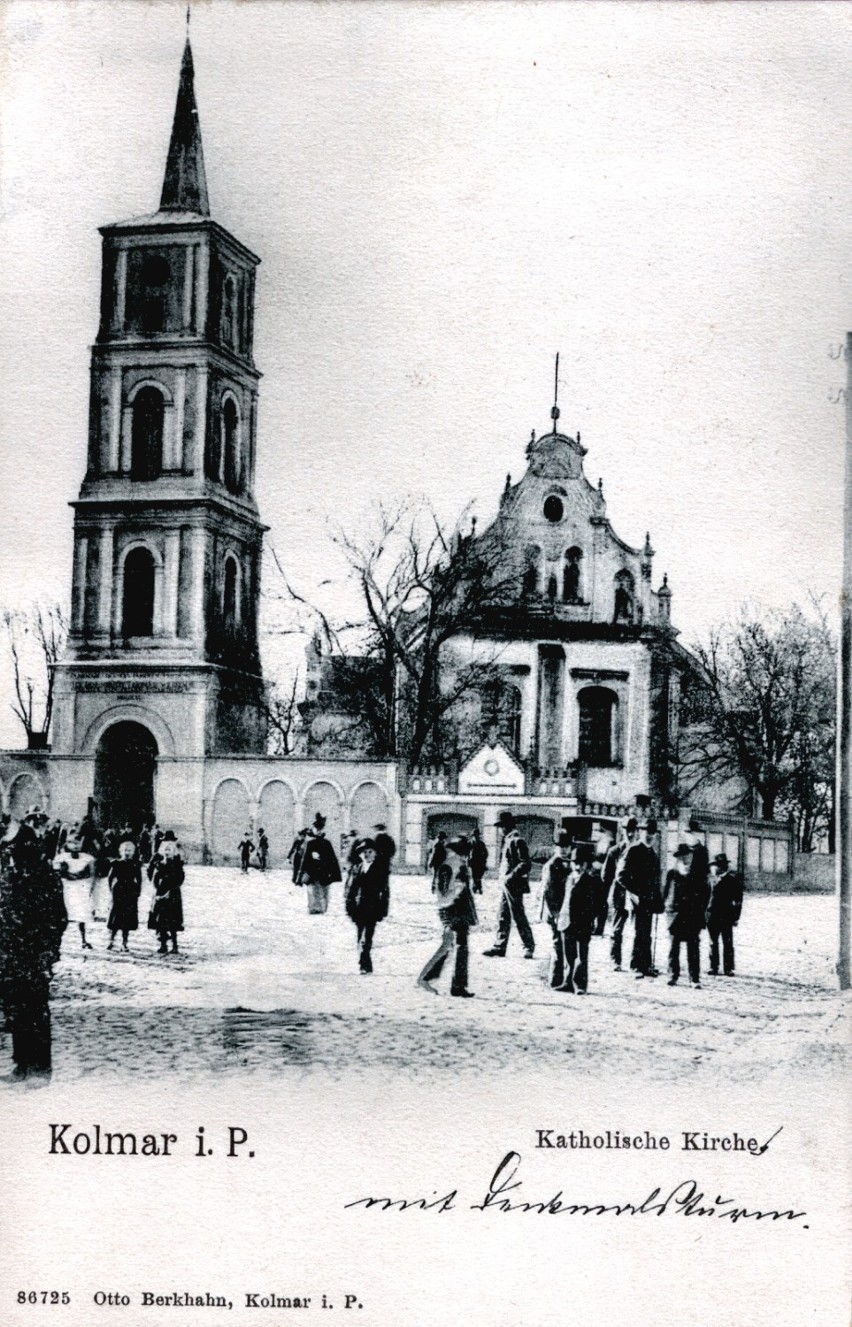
(125, 775)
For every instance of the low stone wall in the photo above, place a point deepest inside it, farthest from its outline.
(814, 873)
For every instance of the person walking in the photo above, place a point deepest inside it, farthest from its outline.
(685, 901)
(368, 898)
(125, 883)
(262, 849)
(515, 883)
(616, 890)
(457, 913)
(554, 878)
(32, 920)
(478, 860)
(297, 848)
(576, 920)
(436, 857)
(76, 870)
(167, 876)
(384, 843)
(724, 908)
(638, 874)
(245, 847)
(319, 867)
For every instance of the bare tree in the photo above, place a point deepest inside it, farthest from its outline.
(418, 584)
(765, 716)
(282, 716)
(35, 639)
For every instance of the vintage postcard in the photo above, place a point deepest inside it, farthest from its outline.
(423, 868)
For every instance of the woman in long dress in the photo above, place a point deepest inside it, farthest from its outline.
(166, 873)
(76, 869)
(125, 882)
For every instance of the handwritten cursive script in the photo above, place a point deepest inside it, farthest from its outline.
(504, 1195)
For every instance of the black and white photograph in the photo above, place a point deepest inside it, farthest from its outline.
(425, 698)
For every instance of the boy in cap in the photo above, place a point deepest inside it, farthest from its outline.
(515, 882)
(723, 913)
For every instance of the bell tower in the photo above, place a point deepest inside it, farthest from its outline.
(162, 667)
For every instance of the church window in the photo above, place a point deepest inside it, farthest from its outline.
(571, 576)
(230, 317)
(532, 571)
(231, 444)
(512, 712)
(551, 587)
(624, 604)
(229, 595)
(138, 595)
(154, 289)
(554, 509)
(146, 438)
(598, 710)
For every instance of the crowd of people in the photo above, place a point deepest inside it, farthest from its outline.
(50, 878)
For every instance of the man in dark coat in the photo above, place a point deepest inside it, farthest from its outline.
(576, 919)
(609, 876)
(638, 874)
(723, 913)
(554, 877)
(515, 883)
(478, 860)
(457, 912)
(319, 867)
(436, 857)
(297, 848)
(32, 920)
(166, 873)
(384, 843)
(368, 898)
(685, 902)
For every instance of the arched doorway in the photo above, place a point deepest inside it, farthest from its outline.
(125, 772)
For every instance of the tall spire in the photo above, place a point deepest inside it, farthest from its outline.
(185, 183)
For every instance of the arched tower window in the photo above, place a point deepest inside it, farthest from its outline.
(571, 576)
(532, 571)
(153, 293)
(138, 599)
(230, 595)
(146, 434)
(598, 711)
(231, 444)
(230, 313)
(624, 604)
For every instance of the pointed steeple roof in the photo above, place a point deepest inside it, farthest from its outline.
(185, 183)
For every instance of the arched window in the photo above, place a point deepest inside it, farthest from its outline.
(598, 710)
(230, 322)
(230, 600)
(532, 571)
(153, 293)
(551, 586)
(137, 615)
(512, 718)
(231, 444)
(624, 597)
(146, 434)
(571, 576)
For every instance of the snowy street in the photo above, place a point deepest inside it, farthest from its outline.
(261, 988)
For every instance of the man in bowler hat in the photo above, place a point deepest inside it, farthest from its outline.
(515, 882)
(723, 913)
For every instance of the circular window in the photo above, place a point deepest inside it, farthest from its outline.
(553, 508)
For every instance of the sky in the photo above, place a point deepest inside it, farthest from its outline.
(443, 196)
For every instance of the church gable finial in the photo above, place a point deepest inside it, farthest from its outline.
(554, 414)
(185, 182)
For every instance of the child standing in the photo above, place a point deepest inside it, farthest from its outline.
(125, 882)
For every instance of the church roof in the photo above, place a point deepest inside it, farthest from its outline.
(185, 182)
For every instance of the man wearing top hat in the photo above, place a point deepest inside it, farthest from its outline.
(515, 882)
(577, 919)
(639, 875)
(319, 867)
(723, 913)
(685, 901)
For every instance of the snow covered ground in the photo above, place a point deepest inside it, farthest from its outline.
(261, 988)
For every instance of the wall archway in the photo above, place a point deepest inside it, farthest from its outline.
(229, 819)
(26, 790)
(135, 714)
(125, 775)
(327, 798)
(368, 807)
(276, 814)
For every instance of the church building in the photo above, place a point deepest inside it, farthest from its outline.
(162, 668)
